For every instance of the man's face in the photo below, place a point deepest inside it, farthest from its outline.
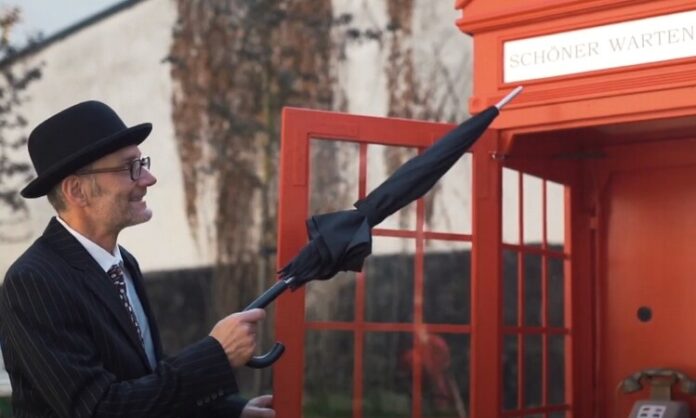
(115, 200)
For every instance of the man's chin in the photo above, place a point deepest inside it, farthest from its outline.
(141, 216)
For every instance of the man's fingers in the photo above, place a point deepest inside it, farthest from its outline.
(256, 412)
(252, 315)
(259, 407)
(265, 401)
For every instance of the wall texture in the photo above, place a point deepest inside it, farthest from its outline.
(398, 58)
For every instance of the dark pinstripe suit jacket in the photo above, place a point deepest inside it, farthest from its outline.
(71, 350)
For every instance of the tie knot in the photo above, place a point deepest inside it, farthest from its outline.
(115, 273)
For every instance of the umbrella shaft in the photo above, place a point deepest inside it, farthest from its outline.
(271, 294)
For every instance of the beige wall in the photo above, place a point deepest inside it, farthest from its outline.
(120, 60)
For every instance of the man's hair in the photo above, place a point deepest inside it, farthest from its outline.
(94, 188)
(56, 198)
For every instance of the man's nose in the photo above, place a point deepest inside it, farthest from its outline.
(146, 178)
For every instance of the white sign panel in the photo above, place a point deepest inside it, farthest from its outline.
(634, 42)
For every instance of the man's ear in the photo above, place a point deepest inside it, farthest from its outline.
(74, 189)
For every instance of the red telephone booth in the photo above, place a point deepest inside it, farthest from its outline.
(571, 267)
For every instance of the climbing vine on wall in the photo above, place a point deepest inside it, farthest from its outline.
(235, 64)
(15, 171)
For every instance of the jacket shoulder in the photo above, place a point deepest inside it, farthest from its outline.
(38, 254)
(38, 264)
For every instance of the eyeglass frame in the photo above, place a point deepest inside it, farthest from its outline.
(130, 167)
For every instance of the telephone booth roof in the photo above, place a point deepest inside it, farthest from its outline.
(652, 90)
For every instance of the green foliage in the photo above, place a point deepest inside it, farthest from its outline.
(5, 408)
(327, 405)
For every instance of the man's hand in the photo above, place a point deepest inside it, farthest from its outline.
(236, 334)
(259, 407)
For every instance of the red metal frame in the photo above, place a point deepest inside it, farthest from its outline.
(521, 329)
(486, 318)
(299, 126)
(486, 330)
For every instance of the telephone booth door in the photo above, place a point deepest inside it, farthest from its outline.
(460, 311)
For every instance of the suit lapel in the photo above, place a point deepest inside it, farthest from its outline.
(94, 278)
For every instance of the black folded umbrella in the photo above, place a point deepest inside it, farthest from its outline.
(340, 241)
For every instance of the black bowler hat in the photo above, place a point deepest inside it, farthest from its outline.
(75, 137)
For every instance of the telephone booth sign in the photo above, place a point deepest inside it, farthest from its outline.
(421, 331)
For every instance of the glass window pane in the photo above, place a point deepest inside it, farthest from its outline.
(510, 288)
(328, 378)
(448, 204)
(532, 210)
(387, 374)
(532, 371)
(555, 215)
(331, 300)
(382, 161)
(389, 280)
(447, 282)
(532, 290)
(333, 175)
(445, 371)
(510, 372)
(333, 186)
(556, 292)
(511, 205)
(556, 369)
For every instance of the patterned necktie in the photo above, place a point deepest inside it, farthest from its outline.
(116, 275)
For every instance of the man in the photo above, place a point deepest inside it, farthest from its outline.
(78, 336)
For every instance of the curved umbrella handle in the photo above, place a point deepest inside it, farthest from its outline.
(265, 360)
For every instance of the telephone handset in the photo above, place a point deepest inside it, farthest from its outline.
(660, 404)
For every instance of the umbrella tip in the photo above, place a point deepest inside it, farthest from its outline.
(509, 97)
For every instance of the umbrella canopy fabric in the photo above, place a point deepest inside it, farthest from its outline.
(418, 175)
(340, 241)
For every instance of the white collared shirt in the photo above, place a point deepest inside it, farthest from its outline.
(105, 261)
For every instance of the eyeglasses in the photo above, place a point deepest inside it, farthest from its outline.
(135, 168)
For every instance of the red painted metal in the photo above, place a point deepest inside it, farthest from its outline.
(486, 318)
(647, 108)
(543, 331)
(298, 127)
(636, 119)
(293, 207)
(521, 301)
(544, 298)
(486, 329)
(646, 228)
